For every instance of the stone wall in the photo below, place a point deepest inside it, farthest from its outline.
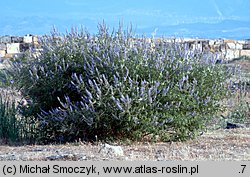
(12, 45)
(245, 53)
(226, 48)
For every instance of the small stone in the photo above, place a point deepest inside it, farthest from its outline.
(53, 157)
(159, 155)
(38, 149)
(82, 158)
(235, 125)
(109, 149)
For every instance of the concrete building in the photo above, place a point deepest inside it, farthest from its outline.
(16, 39)
(245, 53)
(28, 38)
(2, 53)
(13, 48)
(3, 46)
(5, 39)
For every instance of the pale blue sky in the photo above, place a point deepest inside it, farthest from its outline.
(38, 16)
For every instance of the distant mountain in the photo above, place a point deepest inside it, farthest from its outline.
(235, 29)
(225, 29)
(221, 26)
(40, 25)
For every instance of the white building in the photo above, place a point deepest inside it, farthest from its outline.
(13, 48)
(28, 38)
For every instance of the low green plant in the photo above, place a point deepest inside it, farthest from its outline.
(240, 114)
(5, 79)
(14, 128)
(236, 105)
(241, 111)
(9, 125)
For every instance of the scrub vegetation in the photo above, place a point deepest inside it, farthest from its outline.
(114, 85)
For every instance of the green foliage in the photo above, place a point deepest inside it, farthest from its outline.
(5, 79)
(241, 110)
(9, 131)
(15, 129)
(240, 114)
(113, 85)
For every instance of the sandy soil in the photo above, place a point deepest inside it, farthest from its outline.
(219, 145)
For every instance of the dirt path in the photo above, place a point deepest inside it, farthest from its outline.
(222, 145)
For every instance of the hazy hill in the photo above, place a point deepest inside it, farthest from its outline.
(39, 25)
(224, 29)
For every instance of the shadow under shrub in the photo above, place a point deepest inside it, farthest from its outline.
(116, 86)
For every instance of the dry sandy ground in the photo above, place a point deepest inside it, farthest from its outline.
(219, 145)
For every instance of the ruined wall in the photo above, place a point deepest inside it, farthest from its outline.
(226, 48)
(11, 45)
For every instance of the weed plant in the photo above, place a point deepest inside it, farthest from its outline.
(9, 130)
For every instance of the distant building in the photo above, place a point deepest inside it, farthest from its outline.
(28, 38)
(13, 48)
(16, 39)
(5, 39)
(226, 48)
(2, 53)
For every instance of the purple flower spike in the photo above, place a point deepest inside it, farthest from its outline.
(89, 94)
(165, 91)
(119, 106)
